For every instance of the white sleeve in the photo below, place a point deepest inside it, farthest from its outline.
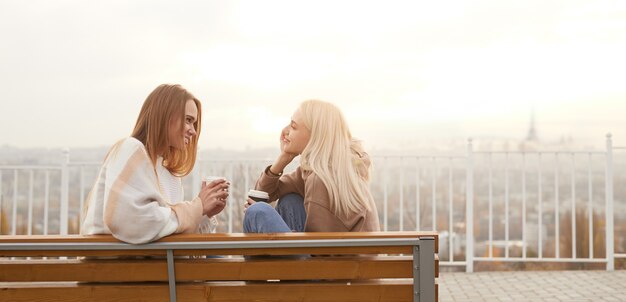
(170, 227)
(134, 210)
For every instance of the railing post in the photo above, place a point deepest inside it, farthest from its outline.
(229, 200)
(608, 211)
(65, 187)
(469, 210)
(196, 181)
(385, 169)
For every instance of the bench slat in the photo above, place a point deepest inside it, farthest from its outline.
(362, 291)
(350, 250)
(206, 269)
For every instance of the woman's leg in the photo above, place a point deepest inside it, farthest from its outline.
(262, 218)
(291, 209)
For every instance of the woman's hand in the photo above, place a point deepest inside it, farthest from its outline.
(247, 204)
(283, 141)
(285, 157)
(213, 196)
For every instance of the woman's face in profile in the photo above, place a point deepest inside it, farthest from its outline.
(296, 136)
(180, 135)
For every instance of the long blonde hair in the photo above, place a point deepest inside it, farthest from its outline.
(162, 105)
(333, 155)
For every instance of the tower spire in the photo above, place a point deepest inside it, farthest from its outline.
(532, 132)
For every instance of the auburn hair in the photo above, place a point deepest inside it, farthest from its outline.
(165, 104)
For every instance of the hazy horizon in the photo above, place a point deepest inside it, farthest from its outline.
(405, 73)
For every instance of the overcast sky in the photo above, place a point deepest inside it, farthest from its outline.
(75, 73)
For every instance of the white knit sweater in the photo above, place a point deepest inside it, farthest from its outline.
(137, 202)
(172, 188)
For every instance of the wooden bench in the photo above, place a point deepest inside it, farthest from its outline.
(392, 266)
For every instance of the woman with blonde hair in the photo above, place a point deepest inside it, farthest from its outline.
(329, 191)
(138, 194)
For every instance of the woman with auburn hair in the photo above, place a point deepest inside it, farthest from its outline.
(138, 194)
(329, 191)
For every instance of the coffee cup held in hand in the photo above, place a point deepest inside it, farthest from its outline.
(208, 179)
(258, 195)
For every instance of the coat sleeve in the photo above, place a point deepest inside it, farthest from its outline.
(279, 186)
(134, 209)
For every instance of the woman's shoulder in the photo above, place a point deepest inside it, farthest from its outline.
(125, 148)
(131, 143)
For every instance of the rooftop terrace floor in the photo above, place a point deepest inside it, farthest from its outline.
(533, 286)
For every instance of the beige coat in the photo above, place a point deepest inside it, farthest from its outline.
(320, 217)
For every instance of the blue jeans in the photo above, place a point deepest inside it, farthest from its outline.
(289, 216)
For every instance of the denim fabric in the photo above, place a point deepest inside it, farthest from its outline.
(291, 209)
(288, 216)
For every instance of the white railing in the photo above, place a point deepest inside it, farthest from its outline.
(519, 197)
(610, 206)
(572, 203)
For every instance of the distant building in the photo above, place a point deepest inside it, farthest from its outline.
(531, 142)
(532, 132)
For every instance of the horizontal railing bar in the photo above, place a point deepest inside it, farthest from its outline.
(452, 263)
(15, 167)
(540, 152)
(84, 163)
(421, 156)
(581, 260)
(264, 244)
(236, 160)
(619, 255)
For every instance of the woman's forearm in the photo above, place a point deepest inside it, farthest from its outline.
(280, 163)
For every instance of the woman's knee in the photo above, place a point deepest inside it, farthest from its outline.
(262, 218)
(255, 214)
(258, 209)
(290, 200)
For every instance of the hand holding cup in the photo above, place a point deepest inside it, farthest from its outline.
(255, 196)
(214, 194)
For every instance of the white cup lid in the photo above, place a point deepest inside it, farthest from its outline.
(212, 178)
(258, 194)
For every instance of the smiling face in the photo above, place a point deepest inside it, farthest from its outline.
(296, 135)
(180, 134)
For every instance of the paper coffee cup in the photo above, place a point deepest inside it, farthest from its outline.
(209, 179)
(258, 195)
